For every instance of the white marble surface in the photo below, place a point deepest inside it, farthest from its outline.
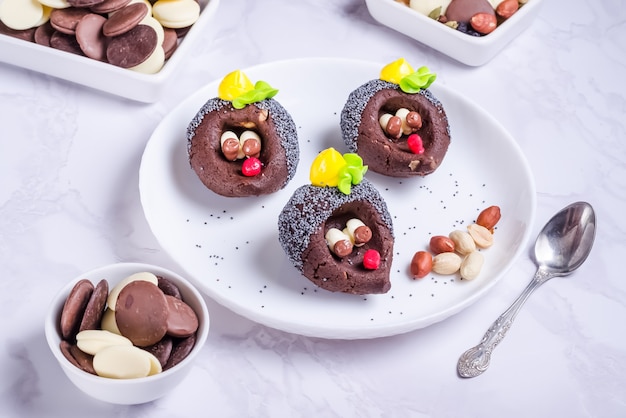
(69, 202)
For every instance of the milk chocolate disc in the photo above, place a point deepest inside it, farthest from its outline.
(170, 42)
(66, 20)
(43, 34)
(84, 3)
(26, 34)
(95, 307)
(168, 287)
(181, 319)
(141, 313)
(162, 350)
(84, 360)
(74, 308)
(125, 19)
(90, 38)
(108, 6)
(64, 42)
(133, 47)
(181, 349)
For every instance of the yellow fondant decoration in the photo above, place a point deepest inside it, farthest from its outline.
(396, 71)
(234, 85)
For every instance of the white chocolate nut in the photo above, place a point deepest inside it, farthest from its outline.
(358, 232)
(446, 263)
(231, 148)
(463, 242)
(392, 125)
(481, 235)
(250, 144)
(122, 362)
(94, 340)
(471, 265)
(115, 292)
(401, 113)
(108, 322)
(338, 242)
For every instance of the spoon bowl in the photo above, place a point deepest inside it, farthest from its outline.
(565, 241)
(561, 247)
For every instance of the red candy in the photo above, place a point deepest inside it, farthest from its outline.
(251, 167)
(371, 259)
(414, 141)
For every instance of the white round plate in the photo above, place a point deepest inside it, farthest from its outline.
(229, 246)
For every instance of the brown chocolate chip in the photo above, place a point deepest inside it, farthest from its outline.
(90, 38)
(162, 350)
(170, 42)
(66, 20)
(133, 47)
(108, 6)
(141, 313)
(84, 360)
(43, 34)
(26, 34)
(74, 308)
(125, 19)
(95, 307)
(168, 287)
(84, 3)
(181, 319)
(64, 42)
(181, 350)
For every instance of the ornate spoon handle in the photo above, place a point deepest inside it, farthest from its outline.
(475, 361)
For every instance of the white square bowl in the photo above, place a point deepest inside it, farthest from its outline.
(99, 75)
(470, 50)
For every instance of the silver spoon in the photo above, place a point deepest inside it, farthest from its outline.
(561, 247)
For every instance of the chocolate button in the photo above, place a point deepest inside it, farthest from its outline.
(74, 308)
(125, 19)
(168, 287)
(170, 42)
(141, 313)
(66, 20)
(26, 34)
(84, 3)
(64, 42)
(95, 307)
(43, 34)
(181, 319)
(108, 6)
(90, 38)
(133, 47)
(162, 350)
(181, 349)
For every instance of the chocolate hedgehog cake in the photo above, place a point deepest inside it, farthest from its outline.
(338, 231)
(396, 124)
(243, 142)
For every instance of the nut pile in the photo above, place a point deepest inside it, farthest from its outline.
(473, 17)
(459, 250)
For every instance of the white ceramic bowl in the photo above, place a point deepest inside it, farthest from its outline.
(99, 75)
(127, 391)
(465, 48)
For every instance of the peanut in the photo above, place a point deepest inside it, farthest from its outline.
(463, 242)
(471, 265)
(484, 23)
(481, 235)
(489, 217)
(446, 263)
(421, 264)
(507, 8)
(441, 244)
